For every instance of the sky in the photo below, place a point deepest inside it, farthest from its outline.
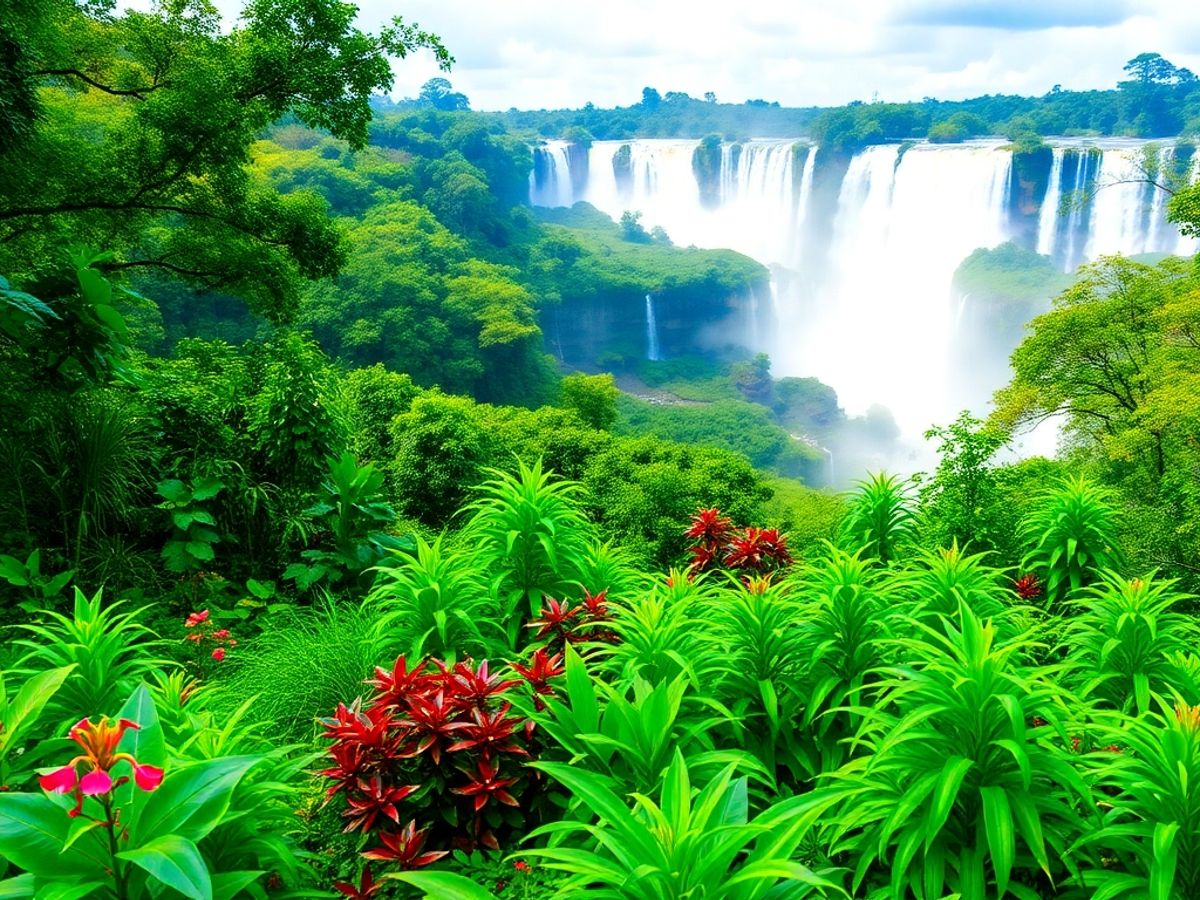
(536, 54)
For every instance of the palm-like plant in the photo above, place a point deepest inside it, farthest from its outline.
(1071, 533)
(845, 610)
(688, 844)
(1150, 832)
(658, 631)
(755, 641)
(957, 792)
(880, 518)
(435, 602)
(529, 527)
(109, 650)
(937, 582)
(1125, 639)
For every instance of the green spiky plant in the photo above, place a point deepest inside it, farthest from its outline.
(528, 526)
(1124, 638)
(657, 631)
(687, 844)
(1071, 533)
(959, 792)
(845, 618)
(880, 518)
(434, 601)
(935, 582)
(109, 649)
(1150, 831)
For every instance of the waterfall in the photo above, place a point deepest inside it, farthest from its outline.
(874, 317)
(1048, 217)
(653, 352)
(550, 177)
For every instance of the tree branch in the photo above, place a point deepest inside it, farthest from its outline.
(135, 93)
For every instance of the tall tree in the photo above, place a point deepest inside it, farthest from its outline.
(132, 130)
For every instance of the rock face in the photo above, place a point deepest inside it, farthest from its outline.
(619, 328)
(1027, 192)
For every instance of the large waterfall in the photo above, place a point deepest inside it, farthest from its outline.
(862, 271)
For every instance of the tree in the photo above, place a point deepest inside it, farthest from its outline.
(172, 105)
(593, 397)
(710, 97)
(651, 98)
(632, 228)
(440, 94)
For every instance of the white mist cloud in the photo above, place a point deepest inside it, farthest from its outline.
(533, 54)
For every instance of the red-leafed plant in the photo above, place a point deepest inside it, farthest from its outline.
(1028, 587)
(749, 551)
(560, 623)
(434, 759)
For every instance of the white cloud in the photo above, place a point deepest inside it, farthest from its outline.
(533, 54)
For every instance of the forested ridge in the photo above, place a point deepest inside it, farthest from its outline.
(322, 573)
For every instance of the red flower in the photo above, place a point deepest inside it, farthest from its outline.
(521, 866)
(371, 799)
(395, 686)
(219, 654)
(369, 886)
(542, 667)
(431, 719)
(709, 527)
(490, 732)
(555, 617)
(404, 848)
(758, 549)
(1028, 587)
(596, 605)
(196, 618)
(99, 742)
(474, 687)
(485, 784)
(221, 633)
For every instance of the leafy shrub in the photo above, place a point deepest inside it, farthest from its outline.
(1071, 535)
(880, 518)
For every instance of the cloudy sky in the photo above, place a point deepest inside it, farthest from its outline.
(536, 54)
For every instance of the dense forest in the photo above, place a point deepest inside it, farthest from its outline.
(1154, 99)
(323, 572)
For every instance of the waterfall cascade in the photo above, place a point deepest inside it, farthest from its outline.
(653, 350)
(869, 309)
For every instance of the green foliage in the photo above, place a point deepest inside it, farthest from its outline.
(435, 601)
(962, 502)
(190, 547)
(107, 651)
(352, 511)
(528, 525)
(594, 397)
(956, 791)
(19, 714)
(1071, 533)
(1125, 637)
(880, 518)
(1151, 829)
(683, 843)
(310, 660)
(42, 588)
(171, 101)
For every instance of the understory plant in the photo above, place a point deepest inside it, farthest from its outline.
(684, 844)
(966, 787)
(881, 519)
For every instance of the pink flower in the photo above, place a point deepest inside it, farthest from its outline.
(218, 654)
(222, 633)
(197, 618)
(99, 742)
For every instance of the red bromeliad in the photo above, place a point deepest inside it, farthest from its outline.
(474, 687)
(710, 528)
(491, 732)
(486, 784)
(404, 847)
(99, 742)
(717, 543)
(368, 886)
(542, 667)
(1028, 586)
(557, 617)
(759, 549)
(373, 799)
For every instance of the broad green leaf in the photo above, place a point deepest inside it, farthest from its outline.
(581, 693)
(29, 702)
(146, 743)
(32, 831)
(443, 885)
(944, 795)
(192, 799)
(226, 885)
(176, 862)
(997, 818)
(69, 890)
(19, 888)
